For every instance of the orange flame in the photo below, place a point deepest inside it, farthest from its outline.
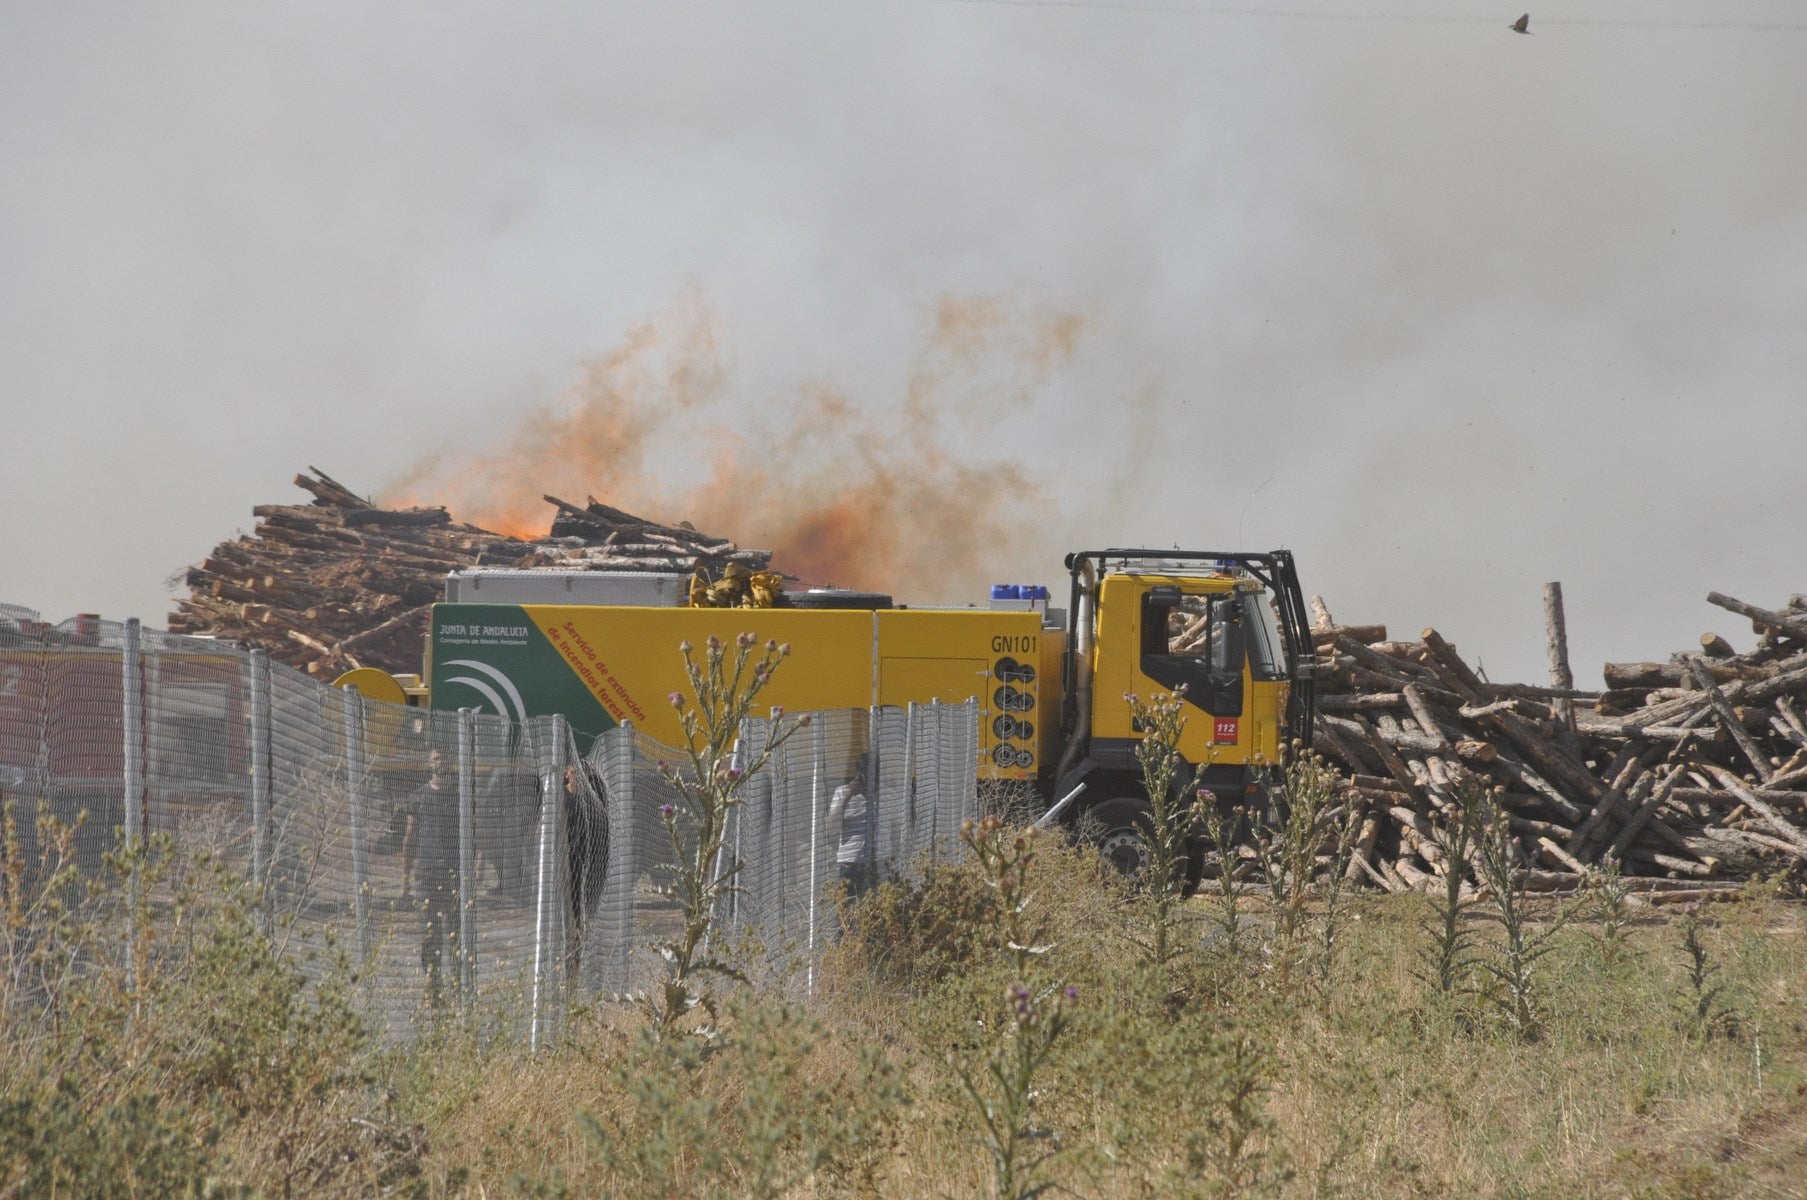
(866, 496)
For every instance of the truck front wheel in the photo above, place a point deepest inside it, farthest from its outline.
(1123, 829)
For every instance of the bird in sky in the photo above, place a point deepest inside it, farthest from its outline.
(1522, 25)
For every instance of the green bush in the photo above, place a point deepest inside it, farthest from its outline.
(149, 1021)
(914, 934)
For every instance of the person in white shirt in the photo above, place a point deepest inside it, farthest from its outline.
(850, 821)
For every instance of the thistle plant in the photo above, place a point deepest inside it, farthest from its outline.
(1224, 832)
(1228, 1154)
(1703, 1012)
(1002, 1089)
(1449, 960)
(1308, 826)
(1340, 845)
(1162, 719)
(1514, 971)
(750, 1119)
(1607, 887)
(724, 683)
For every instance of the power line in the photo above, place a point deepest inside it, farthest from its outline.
(1379, 18)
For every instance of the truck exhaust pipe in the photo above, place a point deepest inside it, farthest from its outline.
(1085, 615)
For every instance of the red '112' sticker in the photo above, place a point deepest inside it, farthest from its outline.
(1225, 730)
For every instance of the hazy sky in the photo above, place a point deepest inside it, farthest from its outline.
(1447, 310)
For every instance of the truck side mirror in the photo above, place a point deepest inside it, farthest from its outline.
(1230, 648)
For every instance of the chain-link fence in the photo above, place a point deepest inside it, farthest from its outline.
(459, 861)
(850, 798)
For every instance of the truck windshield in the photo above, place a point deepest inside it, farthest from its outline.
(1265, 659)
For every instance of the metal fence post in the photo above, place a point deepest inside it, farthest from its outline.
(969, 779)
(467, 854)
(131, 720)
(818, 770)
(731, 849)
(938, 756)
(623, 863)
(873, 778)
(131, 688)
(260, 780)
(912, 846)
(352, 707)
(778, 783)
(545, 953)
(969, 763)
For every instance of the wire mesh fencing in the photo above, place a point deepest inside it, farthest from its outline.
(851, 798)
(451, 863)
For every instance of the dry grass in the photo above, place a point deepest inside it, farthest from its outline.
(1207, 1078)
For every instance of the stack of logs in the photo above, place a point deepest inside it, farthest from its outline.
(600, 538)
(342, 583)
(1693, 771)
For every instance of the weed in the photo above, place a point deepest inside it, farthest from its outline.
(1449, 958)
(755, 1114)
(1190, 1118)
(149, 1022)
(1607, 887)
(724, 689)
(1162, 884)
(1513, 972)
(1002, 1090)
(914, 934)
(1309, 833)
(1230, 1150)
(1225, 834)
(1704, 1013)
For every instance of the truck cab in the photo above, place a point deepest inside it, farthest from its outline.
(1228, 628)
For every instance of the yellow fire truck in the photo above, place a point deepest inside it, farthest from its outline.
(1051, 683)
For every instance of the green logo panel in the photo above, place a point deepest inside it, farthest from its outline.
(496, 658)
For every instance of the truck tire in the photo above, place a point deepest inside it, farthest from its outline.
(1122, 828)
(834, 598)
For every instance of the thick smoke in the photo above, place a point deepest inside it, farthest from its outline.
(1448, 310)
(918, 493)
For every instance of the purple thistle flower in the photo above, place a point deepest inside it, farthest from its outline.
(668, 811)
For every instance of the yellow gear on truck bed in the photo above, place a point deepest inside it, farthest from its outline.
(737, 588)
